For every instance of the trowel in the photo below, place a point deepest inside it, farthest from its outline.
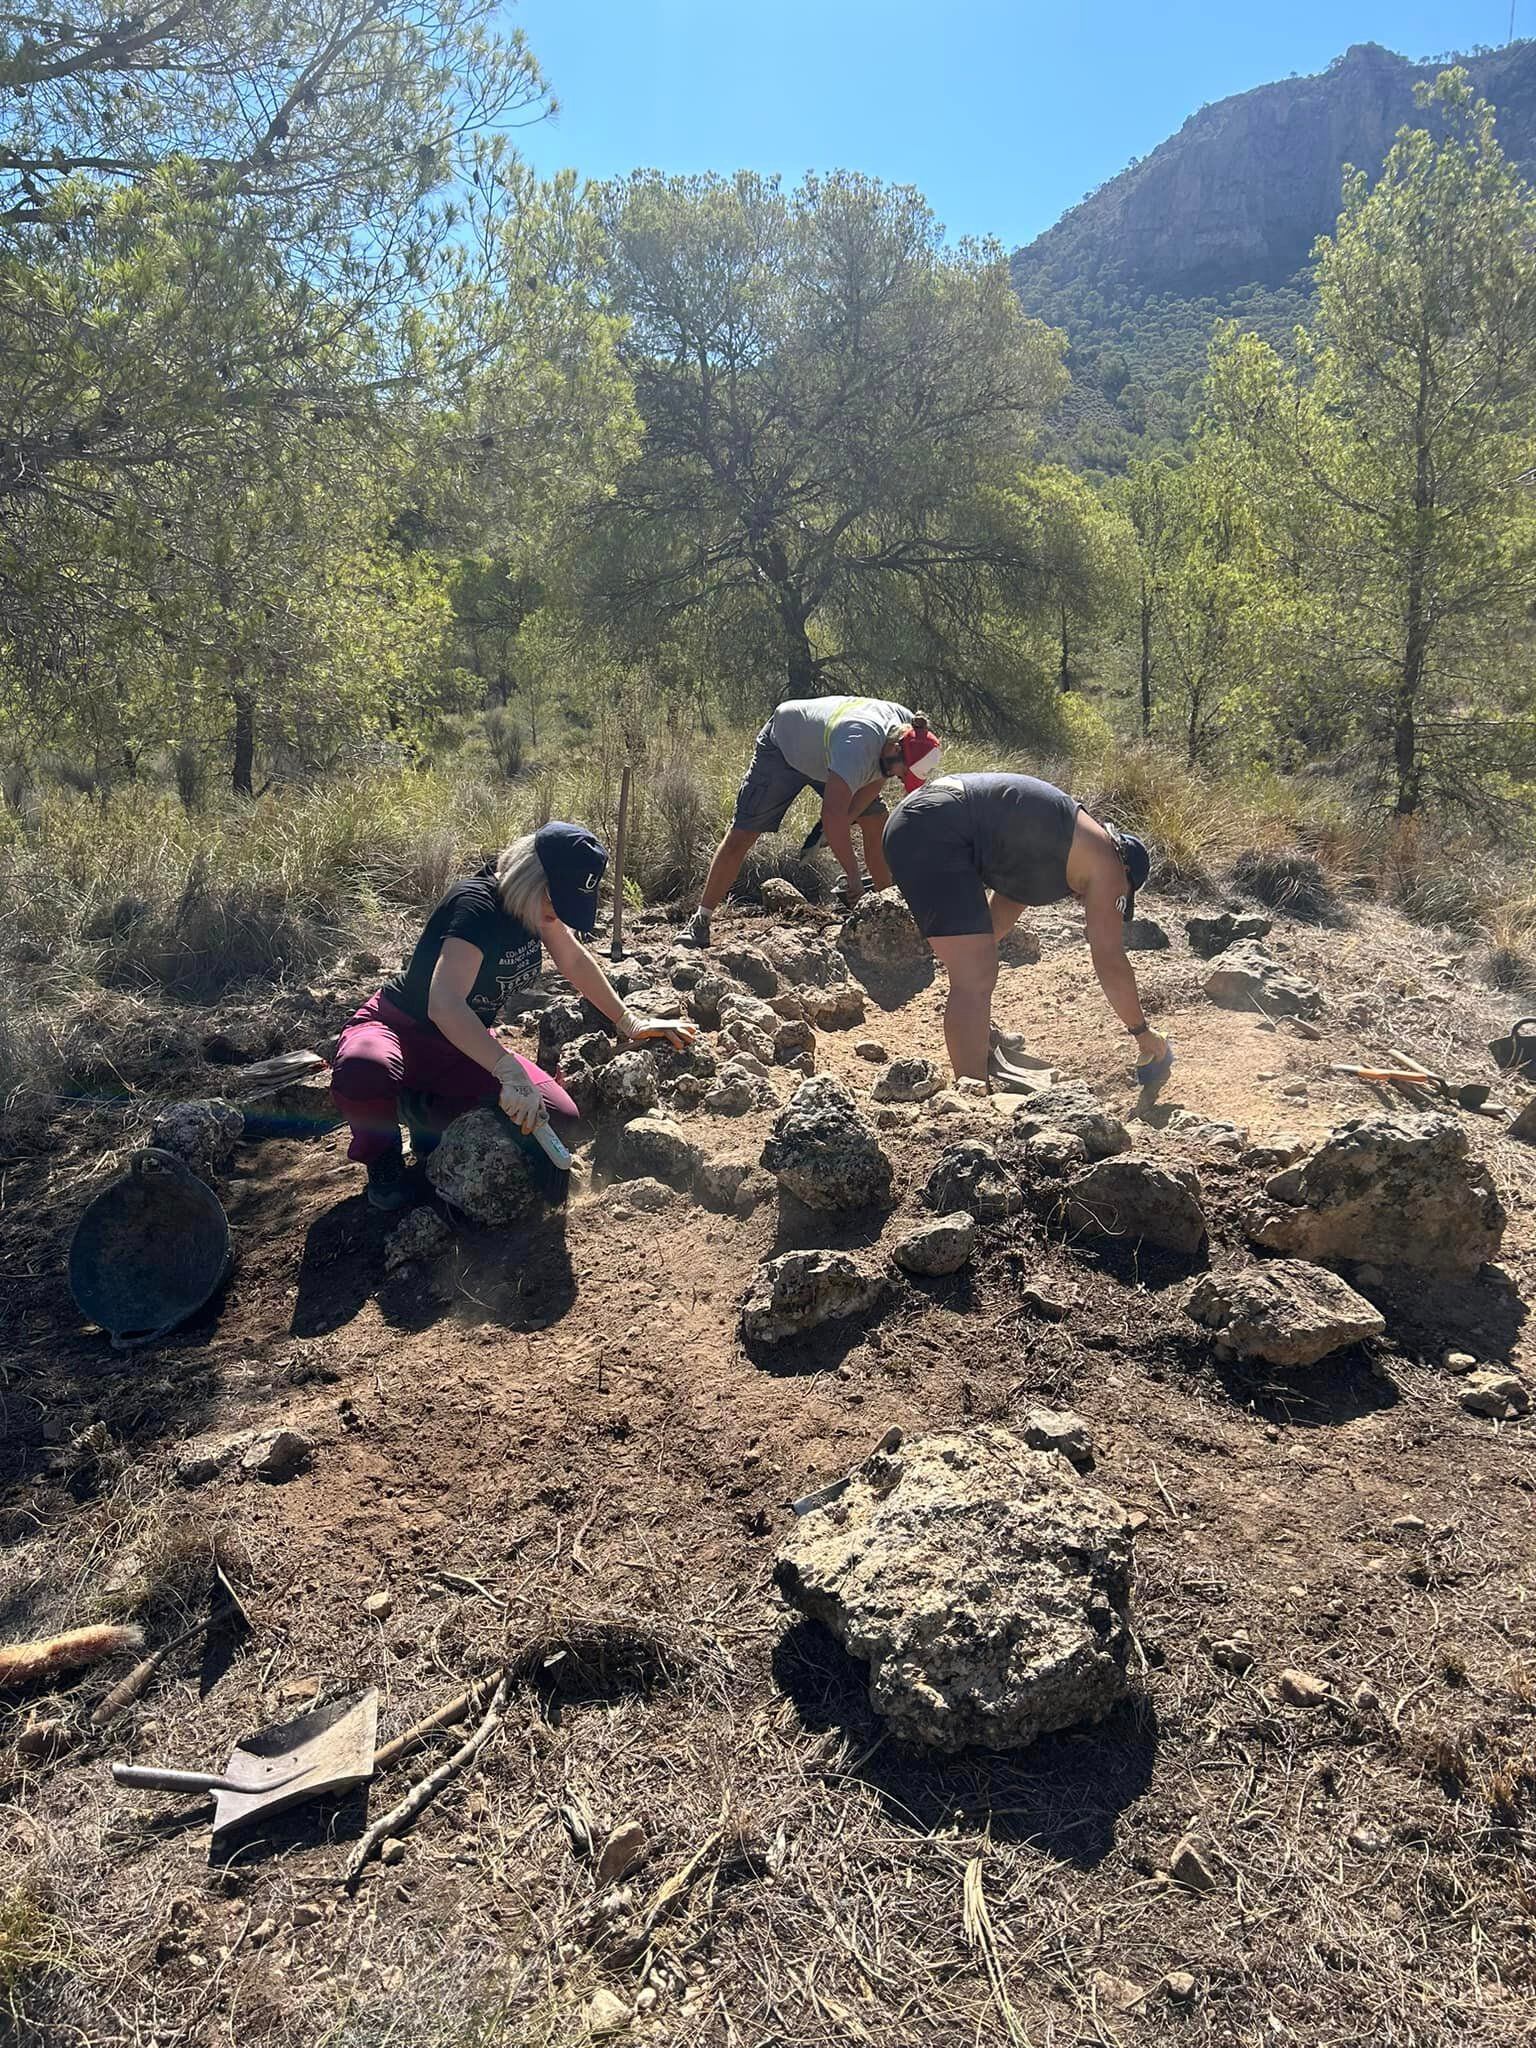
(328, 1750)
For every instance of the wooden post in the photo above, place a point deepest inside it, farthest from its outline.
(616, 949)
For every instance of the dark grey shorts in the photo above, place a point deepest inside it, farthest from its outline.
(770, 786)
(933, 863)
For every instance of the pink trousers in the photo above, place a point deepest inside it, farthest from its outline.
(383, 1051)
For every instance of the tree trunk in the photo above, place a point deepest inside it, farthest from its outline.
(243, 776)
(1405, 725)
(1146, 660)
(1065, 677)
(800, 664)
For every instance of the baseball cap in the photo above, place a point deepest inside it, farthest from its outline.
(920, 754)
(573, 863)
(1135, 858)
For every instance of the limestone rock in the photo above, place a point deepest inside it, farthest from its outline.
(794, 1045)
(1389, 1190)
(1139, 1201)
(872, 1050)
(970, 1176)
(880, 931)
(276, 1453)
(805, 960)
(742, 1085)
(751, 968)
(1056, 1152)
(737, 1185)
(1059, 1429)
(937, 1248)
(1286, 1312)
(706, 996)
(781, 897)
(643, 1197)
(1146, 935)
(986, 1587)
(1501, 1395)
(1071, 1106)
(835, 1009)
(485, 1167)
(1212, 935)
(202, 1134)
(419, 1237)
(799, 1291)
(824, 1152)
(909, 1080)
(1020, 947)
(563, 1021)
(1246, 977)
(656, 1148)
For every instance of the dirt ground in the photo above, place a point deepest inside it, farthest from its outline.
(554, 1447)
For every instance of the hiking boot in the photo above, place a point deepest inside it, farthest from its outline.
(422, 1123)
(696, 931)
(388, 1186)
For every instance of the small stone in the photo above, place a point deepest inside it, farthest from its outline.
(621, 1852)
(42, 1738)
(1369, 1840)
(419, 1237)
(276, 1453)
(1460, 1361)
(306, 1915)
(606, 2013)
(872, 1050)
(1297, 1091)
(938, 1248)
(379, 1606)
(1234, 1653)
(782, 896)
(393, 1850)
(1302, 1689)
(798, 1291)
(1060, 1429)
(1188, 1867)
(262, 1933)
(644, 1197)
(1499, 1395)
(1365, 1700)
(1181, 1987)
(1409, 1525)
(292, 1691)
(1119, 1994)
(1049, 1303)
(909, 1080)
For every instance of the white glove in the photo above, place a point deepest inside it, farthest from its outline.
(677, 1031)
(520, 1097)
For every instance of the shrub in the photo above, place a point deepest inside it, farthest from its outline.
(1292, 882)
(504, 737)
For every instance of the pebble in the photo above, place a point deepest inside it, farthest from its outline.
(1120, 1994)
(379, 1606)
(1046, 1301)
(1498, 1395)
(1296, 1091)
(1370, 1841)
(1233, 1653)
(393, 1850)
(621, 1852)
(872, 1050)
(1460, 1361)
(606, 2013)
(1301, 1688)
(1181, 1987)
(1189, 1868)
(276, 1453)
(1409, 1525)
(306, 1915)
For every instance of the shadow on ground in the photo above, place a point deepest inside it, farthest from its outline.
(1063, 1794)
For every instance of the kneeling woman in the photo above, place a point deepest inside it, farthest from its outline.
(428, 1033)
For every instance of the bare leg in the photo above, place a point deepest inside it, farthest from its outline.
(971, 964)
(1005, 915)
(726, 866)
(872, 832)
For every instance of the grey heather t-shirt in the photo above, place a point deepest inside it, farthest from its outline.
(822, 736)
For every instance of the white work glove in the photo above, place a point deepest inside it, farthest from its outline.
(520, 1097)
(677, 1031)
(849, 890)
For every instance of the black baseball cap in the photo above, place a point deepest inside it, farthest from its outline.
(1136, 859)
(573, 862)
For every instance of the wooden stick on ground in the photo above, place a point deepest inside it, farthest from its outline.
(426, 1789)
(457, 1709)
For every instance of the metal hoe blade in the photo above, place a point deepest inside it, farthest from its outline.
(328, 1750)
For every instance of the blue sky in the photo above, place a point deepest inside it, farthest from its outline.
(1002, 115)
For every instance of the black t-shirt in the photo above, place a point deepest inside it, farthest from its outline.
(472, 911)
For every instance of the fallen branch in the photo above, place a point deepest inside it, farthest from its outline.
(448, 1716)
(426, 1789)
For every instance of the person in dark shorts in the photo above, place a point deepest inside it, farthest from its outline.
(969, 852)
(842, 747)
(424, 1045)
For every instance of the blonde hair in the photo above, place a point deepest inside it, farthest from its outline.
(521, 881)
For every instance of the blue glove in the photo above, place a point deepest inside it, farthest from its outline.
(1152, 1075)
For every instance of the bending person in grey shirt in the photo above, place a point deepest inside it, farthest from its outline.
(842, 747)
(969, 852)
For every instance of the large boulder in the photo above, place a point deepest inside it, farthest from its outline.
(202, 1135)
(655, 1148)
(799, 1291)
(1140, 1202)
(1246, 977)
(970, 1176)
(485, 1167)
(1068, 1106)
(984, 1584)
(1212, 935)
(1388, 1190)
(824, 1152)
(881, 932)
(1287, 1313)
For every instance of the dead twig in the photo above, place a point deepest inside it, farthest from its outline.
(426, 1789)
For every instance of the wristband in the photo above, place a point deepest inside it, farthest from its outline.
(1135, 1030)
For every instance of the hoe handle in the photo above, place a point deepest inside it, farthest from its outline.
(152, 1778)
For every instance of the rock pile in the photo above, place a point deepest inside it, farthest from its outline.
(984, 1584)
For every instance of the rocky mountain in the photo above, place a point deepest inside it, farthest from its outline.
(1221, 217)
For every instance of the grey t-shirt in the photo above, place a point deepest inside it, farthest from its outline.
(822, 736)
